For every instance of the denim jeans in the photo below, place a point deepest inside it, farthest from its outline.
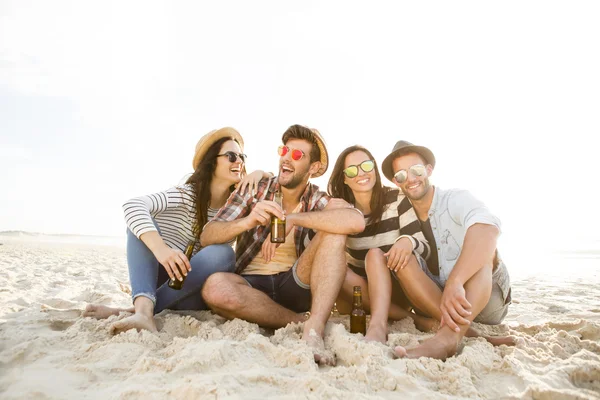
(149, 279)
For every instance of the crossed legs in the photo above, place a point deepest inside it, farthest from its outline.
(426, 296)
(322, 266)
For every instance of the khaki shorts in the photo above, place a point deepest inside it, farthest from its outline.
(497, 307)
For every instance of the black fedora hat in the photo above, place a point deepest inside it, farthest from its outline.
(403, 147)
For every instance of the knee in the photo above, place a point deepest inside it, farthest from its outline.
(219, 291)
(412, 267)
(333, 240)
(375, 261)
(216, 258)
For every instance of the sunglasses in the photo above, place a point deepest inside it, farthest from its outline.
(417, 170)
(352, 170)
(295, 153)
(233, 156)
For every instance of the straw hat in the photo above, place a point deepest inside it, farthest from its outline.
(324, 155)
(210, 138)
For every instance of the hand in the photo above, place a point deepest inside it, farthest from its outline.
(262, 211)
(335, 203)
(174, 261)
(250, 182)
(455, 307)
(268, 249)
(399, 255)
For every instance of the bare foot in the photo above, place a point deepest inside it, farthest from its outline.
(136, 321)
(429, 348)
(437, 347)
(493, 340)
(315, 342)
(99, 311)
(376, 333)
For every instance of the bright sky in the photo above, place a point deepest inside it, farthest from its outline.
(104, 101)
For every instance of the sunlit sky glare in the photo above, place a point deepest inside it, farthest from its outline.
(104, 101)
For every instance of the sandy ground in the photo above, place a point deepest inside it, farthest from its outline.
(48, 351)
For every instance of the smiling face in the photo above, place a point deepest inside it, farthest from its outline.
(415, 187)
(226, 170)
(364, 181)
(295, 172)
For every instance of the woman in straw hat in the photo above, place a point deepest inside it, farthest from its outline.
(392, 232)
(162, 224)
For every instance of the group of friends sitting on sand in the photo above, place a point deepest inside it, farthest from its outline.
(417, 251)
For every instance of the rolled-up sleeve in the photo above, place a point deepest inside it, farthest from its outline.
(467, 211)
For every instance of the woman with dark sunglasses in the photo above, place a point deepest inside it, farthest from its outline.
(161, 226)
(392, 232)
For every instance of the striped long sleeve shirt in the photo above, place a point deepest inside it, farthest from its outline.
(398, 219)
(173, 210)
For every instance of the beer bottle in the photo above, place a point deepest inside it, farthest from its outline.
(178, 284)
(278, 225)
(358, 317)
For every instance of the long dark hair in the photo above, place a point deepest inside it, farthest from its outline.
(200, 182)
(337, 188)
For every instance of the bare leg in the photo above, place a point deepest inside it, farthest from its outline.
(100, 311)
(230, 296)
(380, 290)
(323, 267)
(142, 319)
(424, 294)
(396, 311)
(445, 343)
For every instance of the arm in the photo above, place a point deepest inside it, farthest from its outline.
(223, 231)
(241, 213)
(343, 221)
(410, 227)
(478, 250)
(479, 244)
(138, 216)
(250, 181)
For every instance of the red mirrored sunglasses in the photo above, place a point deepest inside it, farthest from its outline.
(295, 153)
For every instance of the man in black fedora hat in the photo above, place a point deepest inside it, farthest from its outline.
(464, 280)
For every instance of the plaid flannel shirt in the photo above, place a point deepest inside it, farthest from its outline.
(250, 243)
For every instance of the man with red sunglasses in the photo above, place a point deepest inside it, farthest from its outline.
(278, 283)
(464, 280)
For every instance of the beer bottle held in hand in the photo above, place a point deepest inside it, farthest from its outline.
(277, 225)
(358, 316)
(178, 284)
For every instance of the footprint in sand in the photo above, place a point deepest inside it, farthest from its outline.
(60, 319)
(586, 377)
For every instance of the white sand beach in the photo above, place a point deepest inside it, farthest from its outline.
(48, 351)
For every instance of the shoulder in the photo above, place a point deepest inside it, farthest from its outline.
(315, 192)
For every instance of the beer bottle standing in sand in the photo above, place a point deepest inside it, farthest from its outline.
(178, 284)
(278, 225)
(358, 317)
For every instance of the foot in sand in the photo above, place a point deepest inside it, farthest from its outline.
(376, 333)
(99, 311)
(436, 347)
(494, 340)
(315, 342)
(136, 321)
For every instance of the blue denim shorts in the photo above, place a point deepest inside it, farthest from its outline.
(284, 288)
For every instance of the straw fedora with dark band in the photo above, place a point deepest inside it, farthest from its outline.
(323, 150)
(210, 138)
(404, 147)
